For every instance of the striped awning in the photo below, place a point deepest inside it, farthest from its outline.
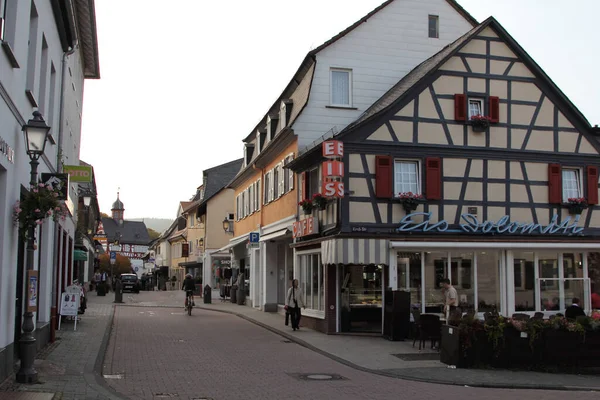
(355, 251)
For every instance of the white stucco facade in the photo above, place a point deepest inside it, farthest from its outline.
(378, 53)
(33, 60)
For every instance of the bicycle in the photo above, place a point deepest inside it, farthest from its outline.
(188, 302)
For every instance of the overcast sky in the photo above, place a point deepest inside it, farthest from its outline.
(183, 82)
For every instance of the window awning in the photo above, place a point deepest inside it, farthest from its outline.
(354, 251)
(80, 255)
(274, 235)
(234, 242)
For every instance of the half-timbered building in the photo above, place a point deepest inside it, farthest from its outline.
(474, 167)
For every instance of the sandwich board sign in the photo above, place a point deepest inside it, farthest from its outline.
(69, 304)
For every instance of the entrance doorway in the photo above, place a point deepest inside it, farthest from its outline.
(361, 298)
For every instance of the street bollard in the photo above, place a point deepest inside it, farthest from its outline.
(118, 292)
(207, 294)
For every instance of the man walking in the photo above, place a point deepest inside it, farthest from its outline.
(451, 297)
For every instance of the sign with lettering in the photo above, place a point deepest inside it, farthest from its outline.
(305, 227)
(471, 224)
(59, 182)
(79, 173)
(7, 151)
(332, 170)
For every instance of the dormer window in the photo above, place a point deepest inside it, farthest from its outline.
(248, 151)
(272, 126)
(285, 112)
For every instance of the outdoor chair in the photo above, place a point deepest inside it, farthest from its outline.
(430, 328)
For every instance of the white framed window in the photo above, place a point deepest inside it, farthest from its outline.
(571, 183)
(312, 282)
(434, 26)
(282, 115)
(276, 182)
(341, 87)
(251, 198)
(475, 107)
(289, 174)
(257, 194)
(407, 176)
(266, 188)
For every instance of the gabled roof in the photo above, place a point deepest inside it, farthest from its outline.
(132, 232)
(421, 72)
(215, 179)
(310, 57)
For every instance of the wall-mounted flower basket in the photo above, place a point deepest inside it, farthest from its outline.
(480, 123)
(39, 203)
(576, 205)
(307, 206)
(410, 201)
(319, 201)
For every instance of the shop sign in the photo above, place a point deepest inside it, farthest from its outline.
(7, 151)
(332, 169)
(471, 224)
(79, 173)
(305, 227)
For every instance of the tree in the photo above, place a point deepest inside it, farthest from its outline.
(104, 215)
(153, 234)
(122, 265)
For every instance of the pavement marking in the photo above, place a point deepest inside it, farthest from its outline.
(116, 376)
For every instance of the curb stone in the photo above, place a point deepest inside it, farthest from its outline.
(400, 375)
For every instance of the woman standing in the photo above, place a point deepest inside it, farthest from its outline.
(293, 301)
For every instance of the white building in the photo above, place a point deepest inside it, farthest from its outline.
(49, 48)
(333, 86)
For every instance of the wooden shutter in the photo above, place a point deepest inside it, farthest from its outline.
(592, 185)
(554, 184)
(494, 109)
(433, 176)
(383, 176)
(185, 250)
(304, 186)
(460, 107)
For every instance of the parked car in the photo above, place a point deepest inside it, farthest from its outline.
(130, 282)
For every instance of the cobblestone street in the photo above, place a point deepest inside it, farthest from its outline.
(159, 352)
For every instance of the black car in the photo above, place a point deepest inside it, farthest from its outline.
(130, 282)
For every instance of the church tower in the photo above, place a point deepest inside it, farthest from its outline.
(118, 211)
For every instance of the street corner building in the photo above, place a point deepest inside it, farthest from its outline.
(49, 49)
(473, 167)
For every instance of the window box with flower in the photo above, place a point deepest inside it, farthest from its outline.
(576, 205)
(410, 201)
(41, 202)
(480, 122)
(307, 206)
(319, 201)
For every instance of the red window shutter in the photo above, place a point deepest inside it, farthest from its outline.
(554, 184)
(185, 250)
(433, 174)
(383, 176)
(304, 184)
(460, 107)
(592, 185)
(494, 109)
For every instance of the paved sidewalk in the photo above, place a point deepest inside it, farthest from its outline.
(377, 355)
(69, 368)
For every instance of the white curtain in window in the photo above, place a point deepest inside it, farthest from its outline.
(406, 177)
(570, 183)
(340, 87)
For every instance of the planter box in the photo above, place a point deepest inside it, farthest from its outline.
(561, 348)
(589, 351)
(450, 349)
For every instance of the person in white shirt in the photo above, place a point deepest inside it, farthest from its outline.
(293, 302)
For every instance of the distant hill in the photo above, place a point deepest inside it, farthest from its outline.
(158, 224)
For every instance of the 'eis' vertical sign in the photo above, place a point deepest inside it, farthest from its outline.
(333, 169)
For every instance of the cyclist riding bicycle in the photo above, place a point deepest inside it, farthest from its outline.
(189, 286)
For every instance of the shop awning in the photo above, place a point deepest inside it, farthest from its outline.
(80, 255)
(355, 251)
(234, 242)
(274, 235)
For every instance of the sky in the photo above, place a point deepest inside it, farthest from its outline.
(182, 85)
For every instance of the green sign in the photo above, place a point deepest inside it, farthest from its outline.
(78, 173)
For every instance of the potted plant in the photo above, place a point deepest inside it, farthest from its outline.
(38, 204)
(480, 122)
(307, 206)
(576, 205)
(319, 201)
(410, 201)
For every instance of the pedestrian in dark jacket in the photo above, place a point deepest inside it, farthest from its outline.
(189, 286)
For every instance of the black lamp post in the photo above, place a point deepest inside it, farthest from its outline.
(36, 132)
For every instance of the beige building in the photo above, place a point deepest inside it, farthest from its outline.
(474, 167)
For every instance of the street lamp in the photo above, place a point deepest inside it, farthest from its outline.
(87, 200)
(227, 225)
(36, 132)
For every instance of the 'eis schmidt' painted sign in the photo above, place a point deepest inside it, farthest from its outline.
(504, 225)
